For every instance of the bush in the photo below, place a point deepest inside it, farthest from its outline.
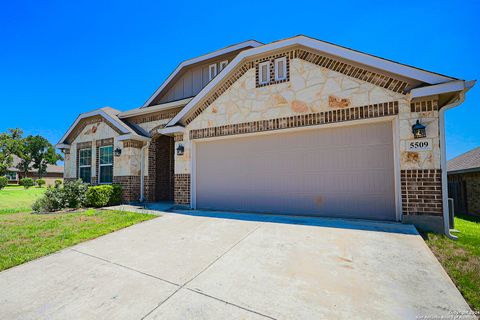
(58, 183)
(53, 200)
(116, 197)
(72, 195)
(27, 182)
(40, 182)
(101, 196)
(75, 193)
(3, 182)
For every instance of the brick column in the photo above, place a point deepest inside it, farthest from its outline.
(182, 188)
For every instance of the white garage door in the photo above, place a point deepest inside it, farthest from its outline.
(332, 172)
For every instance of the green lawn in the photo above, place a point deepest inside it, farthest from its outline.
(18, 199)
(461, 258)
(26, 236)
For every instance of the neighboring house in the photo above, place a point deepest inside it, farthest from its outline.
(14, 175)
(464, 182)
(297, 126)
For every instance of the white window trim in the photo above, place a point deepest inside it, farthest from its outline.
(284, 59)
(100, 165)
(222, 65)
(210, 75)
(260, 73)
(85, 166)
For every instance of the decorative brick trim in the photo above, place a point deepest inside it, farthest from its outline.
(182, 188)
(271, 60)
(424, 106)
(422, 192)
(104, 142)
(178, 137)
(84, 145)
(303, 120)
(384, 81)
(132, 144)
(130, 187)
(87, 121)
(350, 70)
(160, 115)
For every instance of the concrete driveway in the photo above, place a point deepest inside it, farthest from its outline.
(228, 266)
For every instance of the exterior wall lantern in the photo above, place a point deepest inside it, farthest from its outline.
(418, 130)
(117, 152)
(180, 150)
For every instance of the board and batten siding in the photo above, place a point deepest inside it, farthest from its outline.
(191, 81)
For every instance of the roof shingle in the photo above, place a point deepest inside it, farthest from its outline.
(467, 161)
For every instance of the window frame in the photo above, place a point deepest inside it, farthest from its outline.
(260, 72)
(222, 65)
(100, 165)
(210, 75)
(276, 69)
(80, 166)
(10, 174)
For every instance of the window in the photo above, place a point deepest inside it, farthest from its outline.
(280, 69)
(106, 164)
(212, 71)
(264, 72)
(11, 176)
(223, 64)
(85, 165)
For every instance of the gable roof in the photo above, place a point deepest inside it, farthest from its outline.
(189, 62)
(469, 161)
(111, 115)
(402, 70)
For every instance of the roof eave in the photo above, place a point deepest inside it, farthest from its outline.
(342, 52)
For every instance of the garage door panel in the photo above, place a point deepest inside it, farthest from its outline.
(339, 172)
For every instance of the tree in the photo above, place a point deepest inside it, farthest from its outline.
(9, 144)
(42, 153)
(24, 153)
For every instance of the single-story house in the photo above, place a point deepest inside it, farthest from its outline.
(464, 182)
(297, 126)
(53, 173)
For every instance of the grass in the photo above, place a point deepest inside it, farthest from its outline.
(18, 199)
(461, 258)
(25, 236)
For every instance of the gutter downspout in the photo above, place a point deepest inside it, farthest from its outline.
(443, 163)
(142, 172)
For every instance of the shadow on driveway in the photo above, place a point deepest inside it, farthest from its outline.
(354, 224)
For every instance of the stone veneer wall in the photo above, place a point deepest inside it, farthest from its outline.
(182, 189)
(317, 96)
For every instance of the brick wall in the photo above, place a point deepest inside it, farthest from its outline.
(130, 187)
(150, 187)
(182, 188)
(472, 184)
(164, 169)
(422, 192)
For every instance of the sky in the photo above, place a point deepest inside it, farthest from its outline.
(62, 58)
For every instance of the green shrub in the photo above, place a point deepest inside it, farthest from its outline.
(3, 182)
(40, 182)
(116, 196)
(27, 182)
(52, 200)
(58, 183)
(72, 195)
(101, 196)
(75, 193)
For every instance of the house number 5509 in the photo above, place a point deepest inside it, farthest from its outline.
(418, 145)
